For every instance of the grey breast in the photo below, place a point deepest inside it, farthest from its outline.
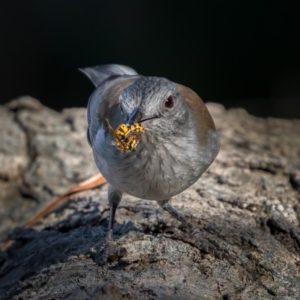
(158, 169)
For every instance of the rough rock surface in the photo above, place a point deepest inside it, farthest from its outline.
(247, 203)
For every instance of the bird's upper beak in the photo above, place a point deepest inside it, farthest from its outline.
(133, 117)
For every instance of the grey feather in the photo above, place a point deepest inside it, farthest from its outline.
(103, 105)
(98, 74)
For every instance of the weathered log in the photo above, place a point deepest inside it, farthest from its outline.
(247, 204)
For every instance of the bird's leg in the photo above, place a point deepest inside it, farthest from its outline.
(111, 252)
(194, 237)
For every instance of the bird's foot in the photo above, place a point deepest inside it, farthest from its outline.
(195, 238)
(112, 252)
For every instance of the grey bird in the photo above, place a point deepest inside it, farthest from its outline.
(179, 143)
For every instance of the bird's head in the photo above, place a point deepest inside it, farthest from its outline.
(156, 103)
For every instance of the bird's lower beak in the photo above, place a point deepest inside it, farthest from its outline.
(133, 117)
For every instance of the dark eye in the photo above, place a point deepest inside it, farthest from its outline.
(169, 102)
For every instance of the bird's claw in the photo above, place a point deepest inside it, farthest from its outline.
(112, 252)
(175, 232)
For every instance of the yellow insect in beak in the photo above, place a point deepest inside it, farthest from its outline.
(127, 137)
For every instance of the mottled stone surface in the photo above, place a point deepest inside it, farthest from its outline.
(247, 203)
(42, 154)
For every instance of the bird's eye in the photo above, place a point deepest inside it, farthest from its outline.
(169, 102)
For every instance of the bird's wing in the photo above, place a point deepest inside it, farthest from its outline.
(103, 104)
(199, 109)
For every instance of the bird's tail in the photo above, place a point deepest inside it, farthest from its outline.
(100, 73)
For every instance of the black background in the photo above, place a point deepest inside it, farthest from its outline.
(238, 53)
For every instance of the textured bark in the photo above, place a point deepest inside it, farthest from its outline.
(246, 204)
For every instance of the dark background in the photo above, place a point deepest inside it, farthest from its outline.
(238, 53)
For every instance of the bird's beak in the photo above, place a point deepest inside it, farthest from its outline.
(132, 117)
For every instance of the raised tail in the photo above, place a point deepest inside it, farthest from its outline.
(100, 73)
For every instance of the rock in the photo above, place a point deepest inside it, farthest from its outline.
(247, 204)
(42, 154)
(100, 292)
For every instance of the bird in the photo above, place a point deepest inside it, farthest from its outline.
(177, 142)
